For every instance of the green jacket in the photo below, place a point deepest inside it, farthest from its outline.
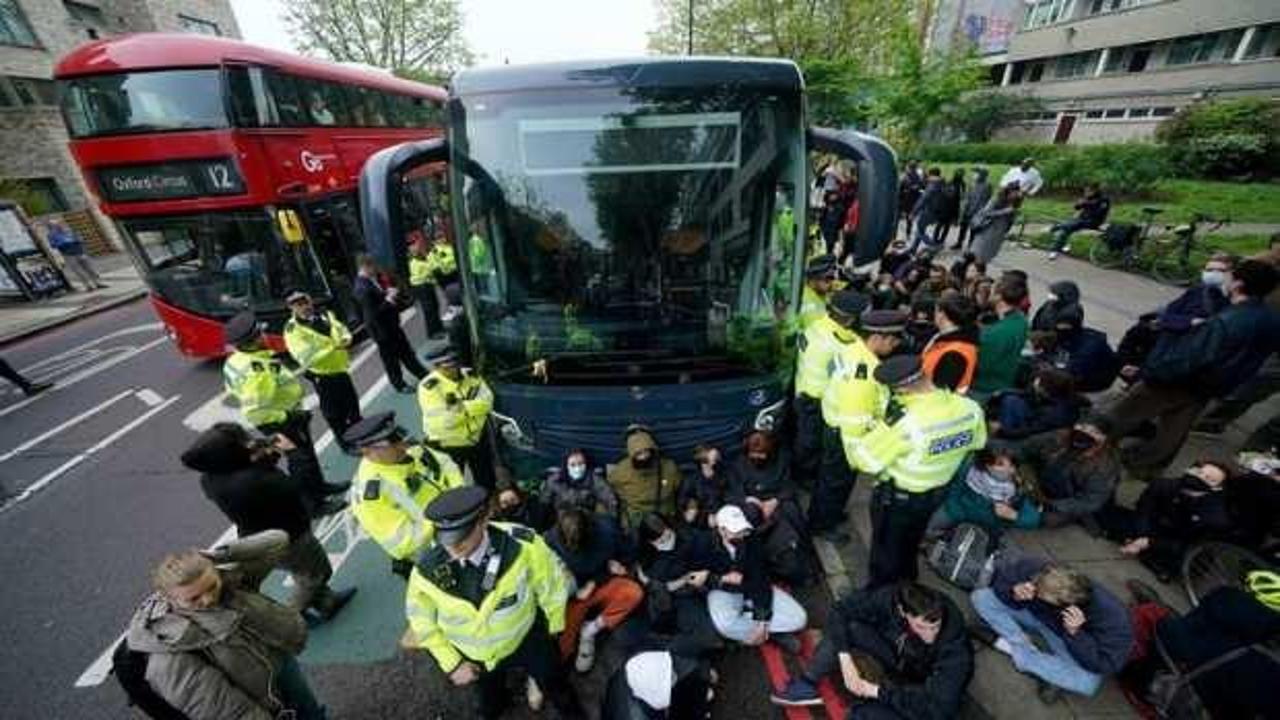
(999, 351)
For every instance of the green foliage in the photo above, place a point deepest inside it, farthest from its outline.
(32, 203)
(406, 36)
(1129, 168)
(1226, 156)
(978, 115)
(1220, 117)
(990, 153)
(1225, 138)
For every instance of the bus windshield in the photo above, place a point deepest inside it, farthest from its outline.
(632, 236)
(217, 264)
(158, 101)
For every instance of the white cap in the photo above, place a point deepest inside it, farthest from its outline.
(732, 519)
(651, 676)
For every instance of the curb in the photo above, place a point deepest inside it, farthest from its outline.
(72, 317)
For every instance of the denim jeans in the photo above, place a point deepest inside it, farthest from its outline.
(296, 694)
(1063, 231)
(1055, 667)
(732, 617)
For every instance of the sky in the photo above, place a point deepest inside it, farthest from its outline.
(516, 31)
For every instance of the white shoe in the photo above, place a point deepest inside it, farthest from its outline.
(533, 694)
(1066, 249)
(586, 648)
(1053, 255)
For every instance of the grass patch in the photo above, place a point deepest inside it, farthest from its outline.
(1181, 199)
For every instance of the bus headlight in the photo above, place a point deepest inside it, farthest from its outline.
(769, 419)
(511, 432)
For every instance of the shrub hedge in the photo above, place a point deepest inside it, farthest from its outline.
(1128, 168)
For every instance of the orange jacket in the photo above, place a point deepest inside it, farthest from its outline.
(952, 377)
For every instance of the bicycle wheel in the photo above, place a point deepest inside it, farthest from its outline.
(1211, 565)
(1102, 255)
(1171, 266)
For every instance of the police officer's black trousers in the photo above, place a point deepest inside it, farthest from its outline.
(808, 444)
(339, 403)
(539, 657)
(395, 351)
(8, 373)
(430, 307)
(304, 466)
(834, 485)
(898, 522)
(477, 458)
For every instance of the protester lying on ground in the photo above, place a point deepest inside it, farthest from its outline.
(513, 505)
(1050, 403)
(1092, 210)
(987, 493)
(1084, 628)
(1000, 343)
(1227, 620)
(951, 357)
(901, 651)
(1063, 295)
(1171, 515)
(1075, 470)
(660, 685)
(644, 479)
(705, 490)
(581, 483)
(676, 584)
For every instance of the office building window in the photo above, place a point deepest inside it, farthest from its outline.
(996, 74)
(28, 92)
(46, 193)
(89, 17)
(1140, 112)
(1209, 47)
(1163, 111)
(1075, 65)
(1016, 75)
(14, 29)
(1113, 113)
(1093, 114)
(1128, 59)
(1105, 6)
(198, 26)
(1264, 43)
(1035, 72)
(1047, 12)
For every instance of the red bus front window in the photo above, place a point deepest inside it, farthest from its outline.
(158, 101)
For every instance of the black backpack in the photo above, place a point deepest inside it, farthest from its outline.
(130, 668)
(965, 557)
(1120, 236)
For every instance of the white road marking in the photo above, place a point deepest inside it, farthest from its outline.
(63, 426)
(84, 375)
(30, 369)
(149, 396)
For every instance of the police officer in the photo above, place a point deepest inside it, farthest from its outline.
(487, 597)
(319, 343)
(851, 404)
(455, 406)
(422, 284)
(818, 343)
(914, 451)
(394, 482)
(270, 398)
(819, 275)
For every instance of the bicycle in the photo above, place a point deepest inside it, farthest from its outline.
(1172, 260)
(1128, 256)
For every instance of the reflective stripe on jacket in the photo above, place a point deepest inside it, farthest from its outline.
(813, 307)
(454, 413)
(266, 390)
(394, 517)
(441, 261)
(853, 399)
(316, 353)
(817, 346)
(921, 451)
(451, 628)
(419, 271)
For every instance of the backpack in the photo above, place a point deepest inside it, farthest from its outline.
(1120, 236)
(130, 668)
(965, 557)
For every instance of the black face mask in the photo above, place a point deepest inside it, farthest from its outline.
(1081, 441)
(1194, 483)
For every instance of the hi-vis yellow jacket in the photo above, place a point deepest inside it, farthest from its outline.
(389, 500)
(316, 353)
(266, 390)
(454, 413)
(924, 447)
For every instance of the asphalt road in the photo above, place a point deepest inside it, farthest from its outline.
(94, 495)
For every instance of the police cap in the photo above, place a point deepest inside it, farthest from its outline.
(372, 429)
(849, 303)
(820, 266)
(455, 512)
(242, 328)
(296, 295)
(899, 370)
(443, 356)
(884, 322)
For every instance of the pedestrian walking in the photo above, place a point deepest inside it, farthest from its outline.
(952, 197)
(1025, 176)
(929, 210)
(68, 244)
(381, 313)
(319, 343)
(487, 598)
(270, 398)
(239, 475)
(27, 387)
(975, 199)
(992, 224)
(455, 404)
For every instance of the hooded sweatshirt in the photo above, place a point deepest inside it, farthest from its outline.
(1066, 295)
(218, 663)
(256, 496)
(651, 488)
(591, 493)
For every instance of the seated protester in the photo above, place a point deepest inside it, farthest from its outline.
(1203, 300)
(1050, 403)
(1063, 295)
(1172, 514)
(920, 328)
(983, 293)
(883, 295)
(895, 258)
(644, 480)
(989, 496)
(1076, 470)
(1226, 620)
(1083, 352)
(1021, 277)
(951, 357)
(675, 585)
(511, 504)
(593, 550)
(218, 650)
(1085, 627)
(763, 470)
(915, 638)
(659, 685)
(703, 492)
(936, 283)
(1000, 343)
(580, 483)
(781, 539)
(744, 607)
(1092, 210)
(966, 269)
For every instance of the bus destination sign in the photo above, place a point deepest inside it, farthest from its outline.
(170, 181)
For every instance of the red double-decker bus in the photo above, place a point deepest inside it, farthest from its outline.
(231, 170)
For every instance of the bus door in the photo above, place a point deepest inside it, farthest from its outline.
(333, 226)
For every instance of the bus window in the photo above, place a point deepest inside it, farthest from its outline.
(249, 98)
(401, 114)
(375, 113)
(156, 101)
(336, 100)
(289, 111)
(424, 113)
(318, 102)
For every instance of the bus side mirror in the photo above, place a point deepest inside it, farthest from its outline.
(877, 186)
(381, 201)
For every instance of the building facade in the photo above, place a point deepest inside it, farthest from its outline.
(1112, 70)
(33, 35)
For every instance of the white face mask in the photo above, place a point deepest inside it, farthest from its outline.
(1052, 298)
(1214, 278)
(576, 471)
(666, 543)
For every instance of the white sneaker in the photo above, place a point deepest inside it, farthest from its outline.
(1053, 255)
(587, 648)
(1066, 249)
(533, 694)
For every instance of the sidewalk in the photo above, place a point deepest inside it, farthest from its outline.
(21, 318)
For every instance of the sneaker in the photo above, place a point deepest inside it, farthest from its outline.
(1048, 694)
(1053, 255)
(789, 643)
(36, 388)
(1066, 249)
(533, 694)
(798, 692)
(586, 648)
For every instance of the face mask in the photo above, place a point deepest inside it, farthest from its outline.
(1001, 473)
(1082, 441)
(577, 472)
(1052, 298)
(1214, 278)
(643, 461)
(666, 543)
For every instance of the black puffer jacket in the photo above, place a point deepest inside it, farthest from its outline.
(256, 496)
(1066, 295)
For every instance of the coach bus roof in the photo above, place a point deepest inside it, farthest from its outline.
(652, 72)
(156, 51)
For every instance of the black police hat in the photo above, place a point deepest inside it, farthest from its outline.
(899, 370)
(884, 322)
(294, 295)
(455, 512)
(242, 328)
(848, 302)
(820, 266)
(443, 356)
(371, 429)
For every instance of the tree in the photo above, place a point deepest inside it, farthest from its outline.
(413, 38)
(982, 113)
